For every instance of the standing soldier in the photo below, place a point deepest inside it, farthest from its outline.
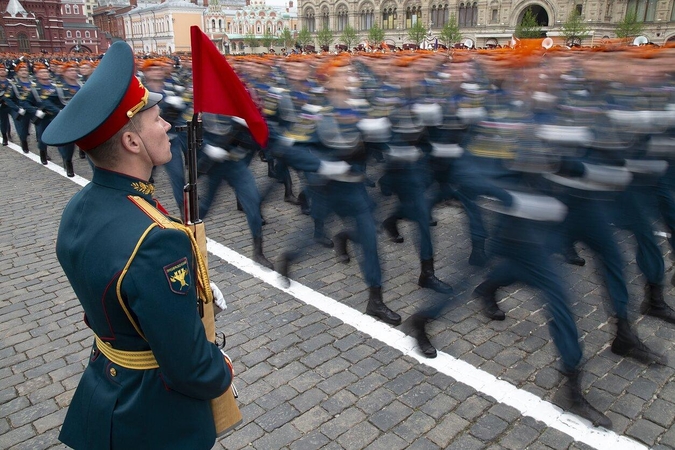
(17, 100)
(69, 86)
(151, 372)
(4, 108)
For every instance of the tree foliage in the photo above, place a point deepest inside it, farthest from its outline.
(375, 35)
(450, 33)
(574, 27)
(286, 38)
(417, 33)
(349, 36)
(250, 40)
(629, 27)
(304, 37)
(528, 28)
(268, 39)
(325, 37)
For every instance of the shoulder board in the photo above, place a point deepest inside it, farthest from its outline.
(152, 212)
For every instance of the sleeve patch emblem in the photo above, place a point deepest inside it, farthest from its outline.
(178, 275)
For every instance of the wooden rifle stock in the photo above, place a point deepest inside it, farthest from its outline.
(226, 414)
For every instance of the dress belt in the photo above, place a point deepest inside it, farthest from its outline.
(139, 360)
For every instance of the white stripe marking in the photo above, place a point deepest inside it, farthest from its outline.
(503, 392)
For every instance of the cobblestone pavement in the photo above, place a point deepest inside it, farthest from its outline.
(316, 374)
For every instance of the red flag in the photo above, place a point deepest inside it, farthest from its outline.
(217, 89)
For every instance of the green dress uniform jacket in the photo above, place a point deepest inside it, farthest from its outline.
(137, 284)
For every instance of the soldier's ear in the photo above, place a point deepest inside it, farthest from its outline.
(131, 141)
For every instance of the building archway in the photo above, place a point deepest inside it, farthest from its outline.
(539, 12)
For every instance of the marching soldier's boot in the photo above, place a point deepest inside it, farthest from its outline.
(486, 291)
(572, 257)
(288, 192)
(478, 257)
(628, 344)
(655, 305)
(82, 155)
(239, 207)
(577, 404)
(340, 241)
(4, 139)
(304, 203)
(377, 308)
(419, 332)
(258, 254)
(320, 234)
(428, 278)
(43, 157)
(389, 225)
(24, 146)
(68, 165)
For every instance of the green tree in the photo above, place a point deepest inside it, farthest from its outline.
(304, 38)
(629, 27)
(450, 33)
(349, 36)
(268, 39)
(574, 28)
(250, 40)
(417, 33)
(375, 35)
(324, 37)
(286, 38)
(528, 28)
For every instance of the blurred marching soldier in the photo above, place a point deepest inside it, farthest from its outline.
(85, 69)
(227, 152)
(139, 277)
(68, 87)
(405, 172)
(591, 174)
(17, 98)
(5, 86)
(45, 101)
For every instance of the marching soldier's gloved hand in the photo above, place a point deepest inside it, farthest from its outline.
(228, 361)
(21, 111)
(217, 154)
(175, 101)
(218, 298)
(39, 114)
(330, 168)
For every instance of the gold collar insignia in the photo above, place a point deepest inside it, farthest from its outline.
(143, 188)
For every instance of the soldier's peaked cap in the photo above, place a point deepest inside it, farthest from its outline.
(108, 100)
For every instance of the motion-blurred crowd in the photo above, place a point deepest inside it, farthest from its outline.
(563, 145)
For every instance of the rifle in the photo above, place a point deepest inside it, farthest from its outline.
(226, 414)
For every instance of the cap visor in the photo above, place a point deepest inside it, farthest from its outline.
(153, 99)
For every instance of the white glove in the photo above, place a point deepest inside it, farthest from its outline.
(330, 168)
(175, 101)
(217, 154)
(218, 298)
(39, 114)
(22, 111)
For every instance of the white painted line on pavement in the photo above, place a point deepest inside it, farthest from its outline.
(503, 392)
(528, 404)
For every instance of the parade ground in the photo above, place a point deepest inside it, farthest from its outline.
(312, 370)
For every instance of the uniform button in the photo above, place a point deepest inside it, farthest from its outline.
(113, 372)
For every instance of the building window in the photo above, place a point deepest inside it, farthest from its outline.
(220, 25)
(494, 18)
(78, 34)
(579, 9)
(69, 34)
(672, 14)
(439, 15)
(644, 10)
(76, 9)
(310, 20)
(325, 19)
(342, 18)
(3, 38)
(388, 19)
(367, 20)
(40, 28)
(24, 43)
(213, 24)
(67, 9)
(468, 14)
(87, 34)
(412, 15)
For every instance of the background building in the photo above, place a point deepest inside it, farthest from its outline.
(485, 22)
